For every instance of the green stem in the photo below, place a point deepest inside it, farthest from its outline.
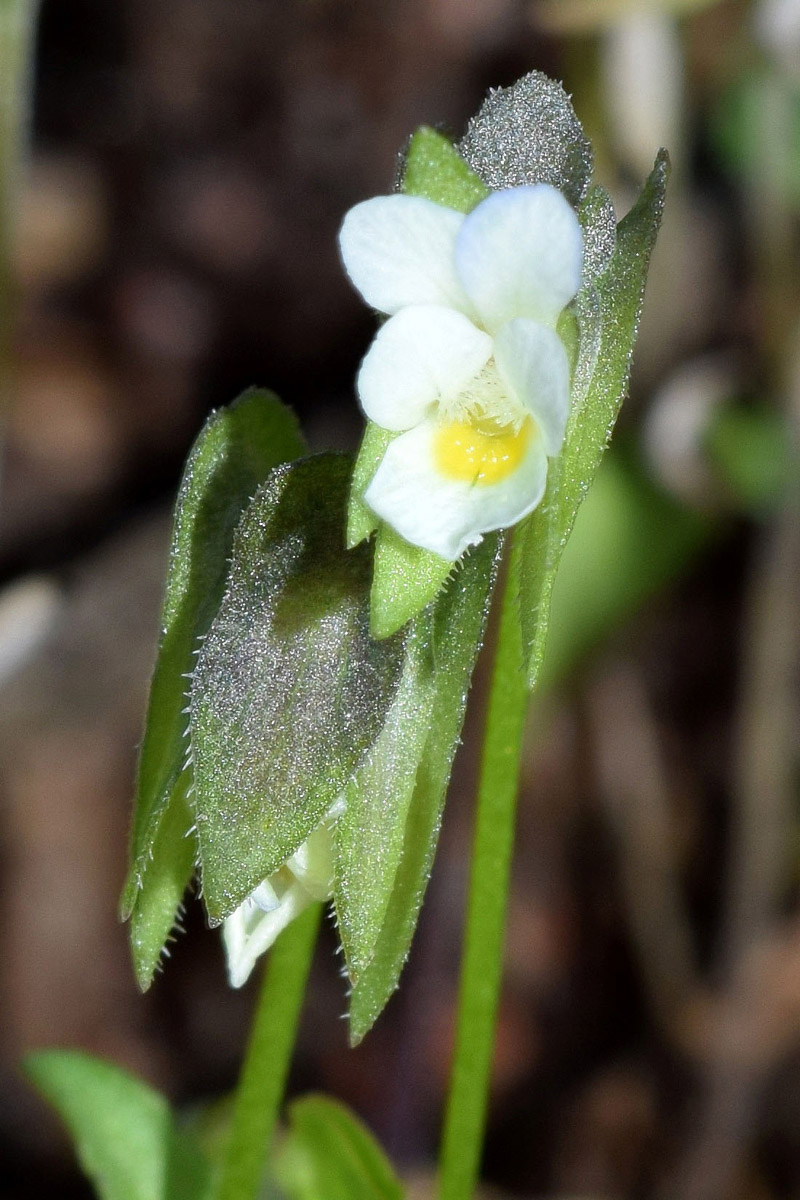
(266, 1064)
(481, 968)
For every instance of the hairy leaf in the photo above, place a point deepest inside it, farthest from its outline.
(368, 838)
(459, 622)
(608, 318)
(174, 851)
(230, 458)
(434, 169)
(528, 133)
(405, 579)
(289, 690)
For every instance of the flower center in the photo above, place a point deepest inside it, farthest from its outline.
(481, 452)
(485, 398)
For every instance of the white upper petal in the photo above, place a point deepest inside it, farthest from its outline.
(533, 364)
(520, 254)
(422, 354)
(400, 250)
(448, 515)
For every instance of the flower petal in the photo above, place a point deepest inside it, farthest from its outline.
(520, 254)
(447, 515)
(422, 354)
(532, 362)
(312, 864)
(399, 250)
(250, 931)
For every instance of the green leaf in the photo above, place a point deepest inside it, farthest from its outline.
(755, 128)
(124, 1132)
(165, 879)
(405, 579)
(459, 623)
(750, 447)
(608, 317)
(232, 455)
(329, 1153)
(361, 520)
(368, 838)
(630, 540)
(434, 169)
(289, 690)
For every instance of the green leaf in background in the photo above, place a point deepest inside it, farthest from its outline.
(368, 838)
(576, 17)
(405, 577)
(630, 540)
(330, 1155)
(755, 128)
(232, 455)
(289, 690)
(620, 291)
(750, 448)
(459, 623)
(124, 1132)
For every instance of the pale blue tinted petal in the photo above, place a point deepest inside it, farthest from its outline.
(520, 254)
(533, 364)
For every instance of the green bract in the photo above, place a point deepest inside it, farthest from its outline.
(458, 627)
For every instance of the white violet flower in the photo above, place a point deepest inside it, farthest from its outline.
(250, 930)
(469, 370)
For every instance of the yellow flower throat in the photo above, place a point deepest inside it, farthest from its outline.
(484, 434)
(480, 452)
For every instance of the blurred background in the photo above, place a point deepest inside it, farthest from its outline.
(173, 242)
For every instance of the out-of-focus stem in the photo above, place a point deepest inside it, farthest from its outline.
(482, 961)
(633, 780)
(17, 37)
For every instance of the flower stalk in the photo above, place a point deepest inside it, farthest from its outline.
(482, 961)
(259, 1093)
